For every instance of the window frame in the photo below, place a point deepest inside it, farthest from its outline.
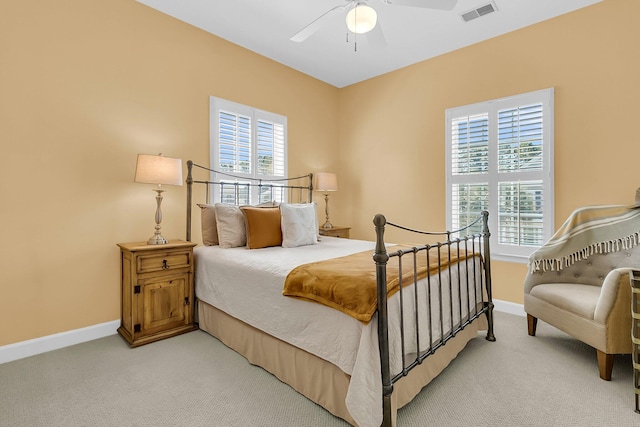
(506, 252)
(215, 106)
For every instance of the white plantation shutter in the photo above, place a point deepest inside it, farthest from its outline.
(499, 158)
(520, 138)
(520, 213)
(470, 200)
(246, 142)
(470, 149)
(520, 149)
(234, 142)
(270, 148)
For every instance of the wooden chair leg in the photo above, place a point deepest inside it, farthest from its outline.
(532, 322)
(605, 365)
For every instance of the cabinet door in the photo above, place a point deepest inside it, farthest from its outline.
(165, 302)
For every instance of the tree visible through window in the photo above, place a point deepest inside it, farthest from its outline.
(500, 159)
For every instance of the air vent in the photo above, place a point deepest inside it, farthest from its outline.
(479, 11)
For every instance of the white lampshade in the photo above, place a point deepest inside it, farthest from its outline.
(326, 181)
(162, 170)
(361, 19)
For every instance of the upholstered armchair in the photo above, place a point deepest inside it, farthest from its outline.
(587, 293)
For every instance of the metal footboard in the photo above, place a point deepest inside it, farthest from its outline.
(470, 276)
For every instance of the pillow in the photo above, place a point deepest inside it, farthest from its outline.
(208, 224)
(299, 224)
(262, 226)
(230, 226)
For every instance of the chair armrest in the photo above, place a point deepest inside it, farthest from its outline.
(612, 292)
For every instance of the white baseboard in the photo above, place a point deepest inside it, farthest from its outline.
(509, 307)
(35, 346)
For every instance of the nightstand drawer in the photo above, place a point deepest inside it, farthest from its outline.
(164, 261)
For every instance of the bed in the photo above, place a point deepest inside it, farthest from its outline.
(362, 360)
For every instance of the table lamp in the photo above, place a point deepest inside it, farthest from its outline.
(158, 170)
(326, 182)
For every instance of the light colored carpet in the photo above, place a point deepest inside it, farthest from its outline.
(194, 380)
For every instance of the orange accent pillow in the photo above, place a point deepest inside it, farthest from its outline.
(263, 226)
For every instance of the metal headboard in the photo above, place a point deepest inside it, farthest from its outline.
(290, 189)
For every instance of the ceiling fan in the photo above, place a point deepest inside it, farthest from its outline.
(362, 18)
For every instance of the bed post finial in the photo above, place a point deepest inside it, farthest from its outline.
(189, 184)
(380, 221)
(381, 257)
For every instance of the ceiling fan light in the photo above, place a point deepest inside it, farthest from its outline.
(361, 19)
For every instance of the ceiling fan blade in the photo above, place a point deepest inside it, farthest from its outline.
(376, 38)
(428, 4)
(304, 33)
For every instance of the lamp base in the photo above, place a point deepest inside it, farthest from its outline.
(327, 225)
(157, 239)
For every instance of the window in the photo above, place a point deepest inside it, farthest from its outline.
(500, 159)
(246, 142)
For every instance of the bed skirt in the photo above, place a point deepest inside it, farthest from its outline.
(319, 380)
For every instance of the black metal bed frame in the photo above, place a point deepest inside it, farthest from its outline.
(471, 242)
(452, 246)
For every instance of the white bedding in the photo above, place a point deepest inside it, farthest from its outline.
(247, 284)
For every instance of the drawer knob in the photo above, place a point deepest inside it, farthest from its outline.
(165, 266)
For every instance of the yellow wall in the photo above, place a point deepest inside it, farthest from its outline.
(392, 140)
(86, 85)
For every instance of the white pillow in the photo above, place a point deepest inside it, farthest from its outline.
(230, 225)
(299, 224)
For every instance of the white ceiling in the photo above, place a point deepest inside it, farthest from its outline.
(412, 34)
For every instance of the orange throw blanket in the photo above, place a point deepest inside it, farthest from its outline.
(349, 284)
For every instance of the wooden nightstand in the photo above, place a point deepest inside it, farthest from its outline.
(336, 231)
(157, 291)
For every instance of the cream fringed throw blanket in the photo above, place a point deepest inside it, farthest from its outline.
(348, 283)
(589, 230)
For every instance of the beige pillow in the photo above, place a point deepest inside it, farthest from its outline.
(230, 226)
(299, 224)
(262, 226)
(208, 224)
